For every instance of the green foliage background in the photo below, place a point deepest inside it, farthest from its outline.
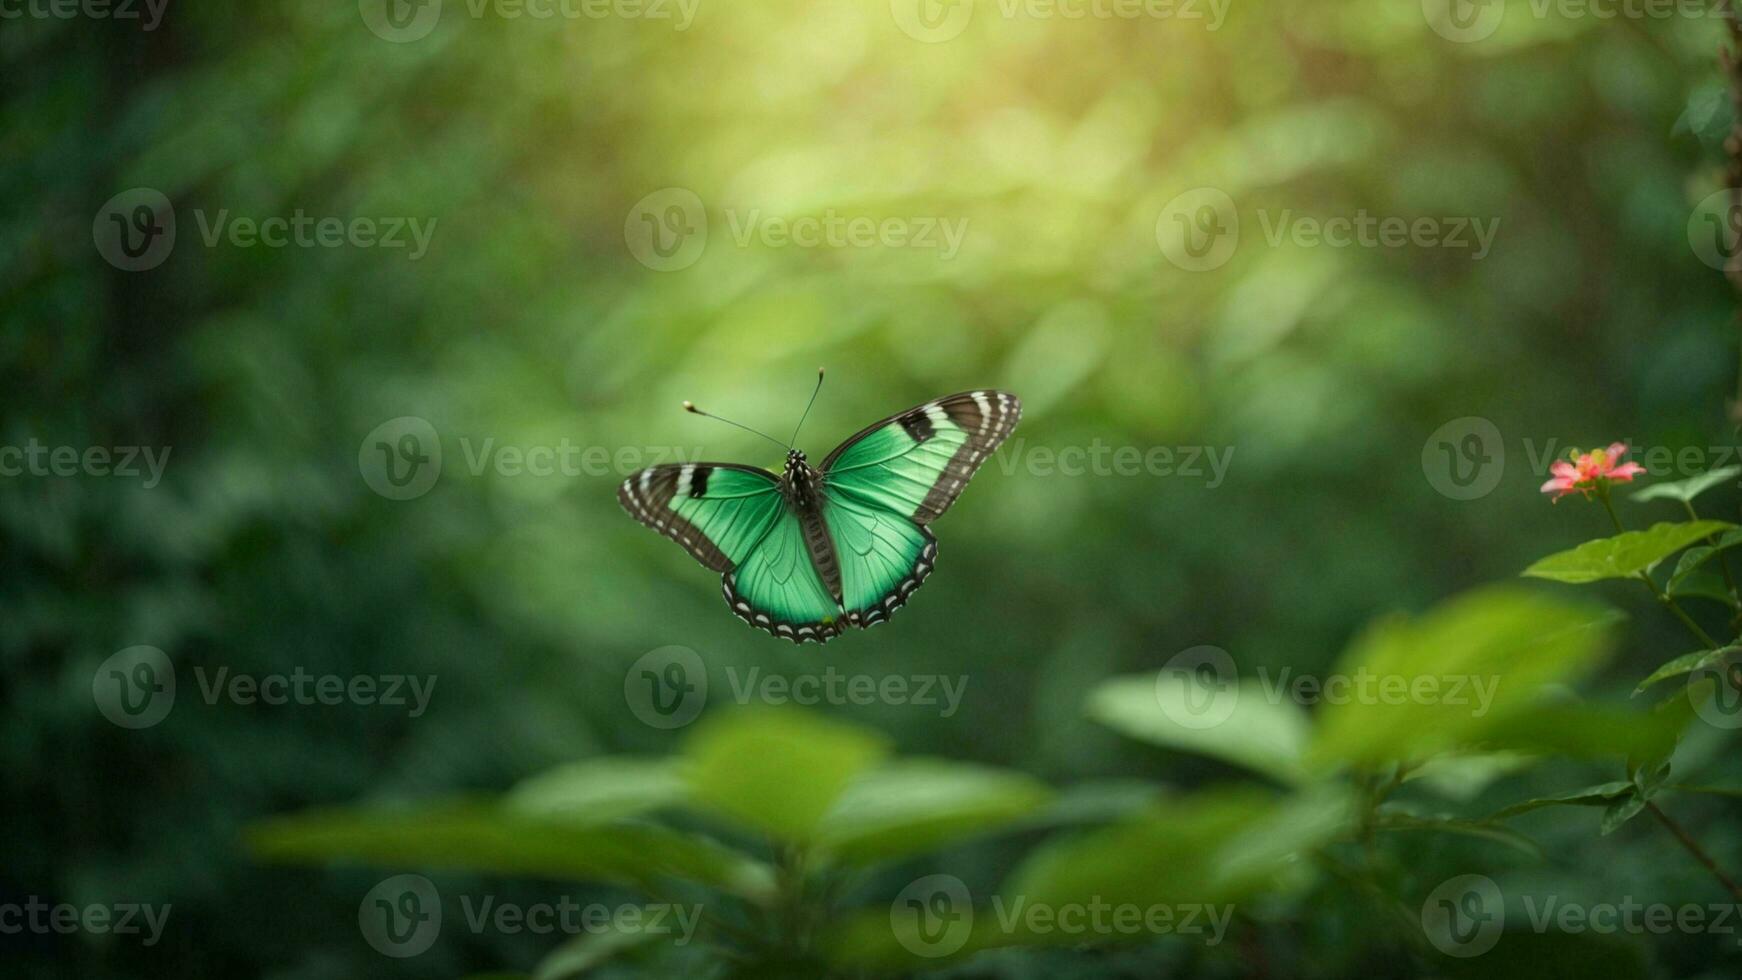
(528, 321)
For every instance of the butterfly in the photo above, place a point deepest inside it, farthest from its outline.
(805, 554)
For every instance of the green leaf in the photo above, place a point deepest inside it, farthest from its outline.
(1394, 820)
(1687, 663)
(582, 954)
(490, 838)
(1097, 802)
(1463, 776)
(1686, 490)
(1693, 558)
(1214, 848)
(1451, 677)
(779, 771)
(1624, 555)
(600, 790)
(916, 805)
(1238, 723)
(1601, 794)
(1621, 810)
(1587, 731)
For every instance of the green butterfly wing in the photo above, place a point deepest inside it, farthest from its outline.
(776, 587)
(916, 463)
(883, 557)
(718, 512)
(735, 520)
(885, 484)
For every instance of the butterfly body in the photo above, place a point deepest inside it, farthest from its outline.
(813, 550)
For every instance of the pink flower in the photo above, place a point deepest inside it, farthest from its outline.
(1587, 472)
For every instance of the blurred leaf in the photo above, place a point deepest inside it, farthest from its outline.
(1490, 653)
(1257, 733)
(1213, 849)
(1096, 802)
(1463, 776)
(485, 838)
(776, 770)
(915, 805)
(1587, 731)
(600, 790)
(1393, 820)
(581, 954)
(1686, 490)
(1624, 555)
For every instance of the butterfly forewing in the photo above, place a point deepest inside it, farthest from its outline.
(718, 512)
(917, 462)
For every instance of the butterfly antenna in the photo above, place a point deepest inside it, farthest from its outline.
(690, 407)
(807, 409)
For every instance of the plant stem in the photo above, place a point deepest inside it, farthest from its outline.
(1662, 596)
(1723, 561)
(1694, 848)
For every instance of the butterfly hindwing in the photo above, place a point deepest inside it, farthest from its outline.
(777, 588)
(916, 463)
(883, 557)
(718, 512)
